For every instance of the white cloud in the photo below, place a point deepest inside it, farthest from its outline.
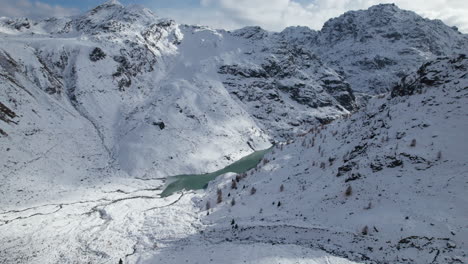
(33, 9)
(277, 14)
(199, 16)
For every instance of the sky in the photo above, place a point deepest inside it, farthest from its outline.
(272, 15)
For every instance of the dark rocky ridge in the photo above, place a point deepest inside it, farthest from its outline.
(437, 73)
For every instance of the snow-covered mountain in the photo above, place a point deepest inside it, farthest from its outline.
(96, 110)
(373, 49)
(385, 185)
(376, 47)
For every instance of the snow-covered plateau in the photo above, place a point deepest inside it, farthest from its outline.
(366, 118)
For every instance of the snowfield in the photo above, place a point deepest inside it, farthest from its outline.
(98, 110)
(258, 253)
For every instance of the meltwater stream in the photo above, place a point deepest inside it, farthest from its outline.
(200, 181)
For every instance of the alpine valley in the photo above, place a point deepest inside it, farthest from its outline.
(365, 120)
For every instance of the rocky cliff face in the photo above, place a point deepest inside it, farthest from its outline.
(441, 73)
(283, 85)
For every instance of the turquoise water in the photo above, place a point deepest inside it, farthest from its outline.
(200, 181)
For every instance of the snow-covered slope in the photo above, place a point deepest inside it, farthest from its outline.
(385, 185)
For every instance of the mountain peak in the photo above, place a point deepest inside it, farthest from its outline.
(112, 2)
(106, 6)
(113, 17)
(363, 24)
(384, 7)
(251, 32)
(375, 12)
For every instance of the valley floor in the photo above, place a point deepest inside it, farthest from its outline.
(138, 226)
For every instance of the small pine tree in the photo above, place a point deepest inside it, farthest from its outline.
(120, 261)
(238, 177)
(281, 188)
(220, 196)
(413, 143)
(365, 231)
(233, 184)
(97, 54)
(369, 206)
(279, 203)
(253, 191)
(349, 191)
(233, 202)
